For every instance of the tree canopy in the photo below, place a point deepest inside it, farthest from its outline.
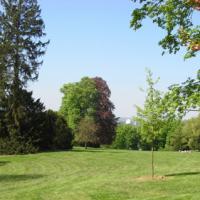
(150, 119)
(104, 112)
(176, 18)
(173, 16)
(79, 100)
(183, 98)
(87, 131)
(21, 33)
(89, 97)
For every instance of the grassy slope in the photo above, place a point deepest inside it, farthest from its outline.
(99, 175)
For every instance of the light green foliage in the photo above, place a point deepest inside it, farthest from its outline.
(99, 175)
(87, 131)
(180, 99)
(186, 136)
(79, 100)
(127, 137)
(173, 16)
(175, 139)
(192, 128)
(176, 18)
(150, 119)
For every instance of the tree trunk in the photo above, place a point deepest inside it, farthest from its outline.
(152, 161)
(85, 145)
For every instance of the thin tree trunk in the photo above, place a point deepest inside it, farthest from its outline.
(152, 161)
(85, 145)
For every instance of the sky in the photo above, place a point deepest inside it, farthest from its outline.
(93, 38)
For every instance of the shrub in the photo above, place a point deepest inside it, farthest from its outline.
(63, 136)
(56, 134)
(11, 146)
(20, 127)
(186, 136)
(39, 131)
(127, 137)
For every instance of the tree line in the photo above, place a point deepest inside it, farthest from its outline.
(176, 136)
(160, 124)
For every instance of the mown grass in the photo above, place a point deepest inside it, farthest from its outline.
(99, 175)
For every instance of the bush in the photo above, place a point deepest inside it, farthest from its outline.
(191, 128)
(63, 136)
(12, 146)
(186, 136)
(38, 131)
(21, 123)
(127, 137)
(56, 134)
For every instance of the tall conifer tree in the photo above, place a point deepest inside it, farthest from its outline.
(21, 33)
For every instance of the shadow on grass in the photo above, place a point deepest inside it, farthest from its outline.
(14, 178)
(184, 174)
(2, 163)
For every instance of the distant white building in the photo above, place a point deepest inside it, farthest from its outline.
(128, 121)
(125, 120)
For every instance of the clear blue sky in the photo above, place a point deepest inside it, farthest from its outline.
(93, 38)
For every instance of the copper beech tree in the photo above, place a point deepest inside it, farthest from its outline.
(89, 97)
(104, 116)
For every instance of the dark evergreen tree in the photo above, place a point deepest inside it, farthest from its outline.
(21, 32)
(56, 133)
(25, 136)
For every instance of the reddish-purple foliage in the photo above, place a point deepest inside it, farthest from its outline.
(105, 118)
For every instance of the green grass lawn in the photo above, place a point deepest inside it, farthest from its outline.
(99, 175)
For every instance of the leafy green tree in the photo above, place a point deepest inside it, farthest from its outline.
(87, 131)
(89, 97)
(150, 119)
(186, 136)
(127, 137)
(176, 18)
(183, 98)
(79, 100)
(173, 16)
(192, 128)
(175, 138)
